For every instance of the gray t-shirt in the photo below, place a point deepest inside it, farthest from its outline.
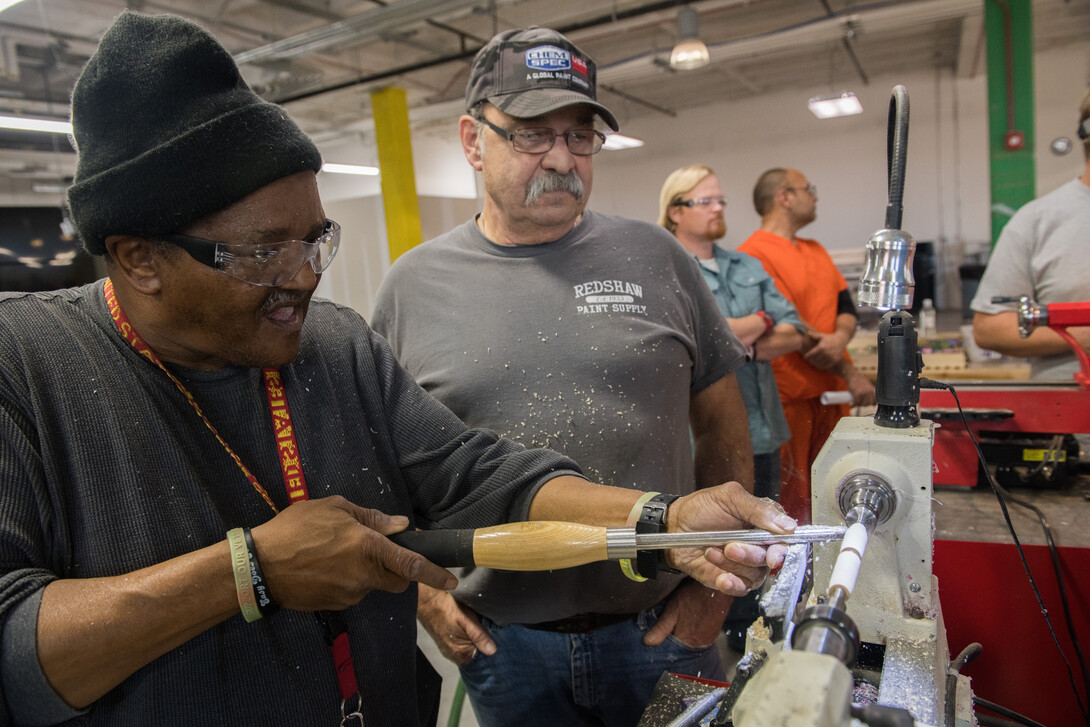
(1039, 253)
(591, 345)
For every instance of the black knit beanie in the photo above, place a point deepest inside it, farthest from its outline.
(167, 132)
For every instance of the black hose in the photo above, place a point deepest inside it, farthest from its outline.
(992, 706)
(987, 720)
(896, 153)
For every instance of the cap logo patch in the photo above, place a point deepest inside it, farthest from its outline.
(578, 64)
(549, 58)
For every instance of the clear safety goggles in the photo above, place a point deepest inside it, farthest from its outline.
(268, 264)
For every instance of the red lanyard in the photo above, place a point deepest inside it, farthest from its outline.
(286, 446)
(294, 481)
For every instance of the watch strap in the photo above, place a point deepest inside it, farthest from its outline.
(653, 520)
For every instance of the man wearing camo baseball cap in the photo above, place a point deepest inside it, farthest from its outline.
(599, 337)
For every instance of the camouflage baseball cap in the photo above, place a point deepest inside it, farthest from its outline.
(528, 73)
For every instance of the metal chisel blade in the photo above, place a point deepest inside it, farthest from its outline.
(802, 534)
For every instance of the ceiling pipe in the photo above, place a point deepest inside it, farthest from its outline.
(305, 9)
(615, 21)
(370, 25)
(849, 34)
(636, 99)
(574, 32)
(571, 31)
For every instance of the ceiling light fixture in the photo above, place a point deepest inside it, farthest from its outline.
(690, 52)
(616, 142)
(842, 104)
(49, 188)
(5, 4)
(21, 123)
(350, 169)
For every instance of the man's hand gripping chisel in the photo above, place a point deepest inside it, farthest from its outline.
(543, 545)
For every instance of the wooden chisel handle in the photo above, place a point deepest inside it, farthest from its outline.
(525, 546)
(544, 545)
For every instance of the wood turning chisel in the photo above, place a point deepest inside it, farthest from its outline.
(544, 545)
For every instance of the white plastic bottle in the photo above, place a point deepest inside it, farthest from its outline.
(928, 327)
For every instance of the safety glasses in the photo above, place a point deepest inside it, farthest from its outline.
(268, 264)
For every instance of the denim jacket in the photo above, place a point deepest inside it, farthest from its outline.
(742, 287)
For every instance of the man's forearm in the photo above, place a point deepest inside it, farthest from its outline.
(94, 633)
(783, 338)
(999, 333)
(572, 499)
(748, 329)
(321, 554)
(720, 459)
(845, 326)
(720, 425)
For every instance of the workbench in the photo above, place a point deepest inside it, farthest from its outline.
(944, 358)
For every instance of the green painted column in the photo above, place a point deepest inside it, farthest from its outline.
(1008, 25)
(395, 161)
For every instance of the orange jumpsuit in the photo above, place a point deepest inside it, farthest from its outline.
(807, 277)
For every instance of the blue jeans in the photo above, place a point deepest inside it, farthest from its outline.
(602, 678)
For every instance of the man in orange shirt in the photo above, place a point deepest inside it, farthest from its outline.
(807, 277)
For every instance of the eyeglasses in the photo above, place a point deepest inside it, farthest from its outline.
(809, 189)
(581, 142)
(268, 264)
(701, 202)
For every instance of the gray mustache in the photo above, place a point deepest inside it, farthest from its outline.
(278, 298)
(554, 182)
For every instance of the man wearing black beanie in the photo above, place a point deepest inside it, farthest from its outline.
(199, 391)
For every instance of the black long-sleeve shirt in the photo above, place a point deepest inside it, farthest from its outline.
(106, 468)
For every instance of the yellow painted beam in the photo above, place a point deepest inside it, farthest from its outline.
(395, 161)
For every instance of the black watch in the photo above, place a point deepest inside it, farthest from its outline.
(649, 563)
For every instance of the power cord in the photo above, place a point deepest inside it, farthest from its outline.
(1002, 495)
(1014, 716)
